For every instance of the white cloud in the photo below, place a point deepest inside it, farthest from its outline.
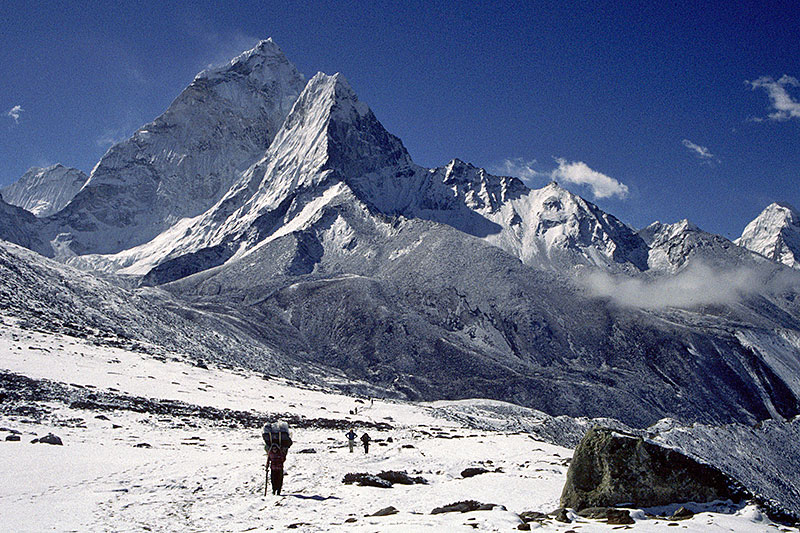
(579, 173)
(700, 151)
(15, 113)
(518, 167)
(785, 107)
(697, 285)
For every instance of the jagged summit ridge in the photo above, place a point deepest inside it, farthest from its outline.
(775, 234)
(44, 191)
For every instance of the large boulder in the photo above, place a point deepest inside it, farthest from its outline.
(611, 468)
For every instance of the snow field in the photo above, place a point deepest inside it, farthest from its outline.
(200, 475)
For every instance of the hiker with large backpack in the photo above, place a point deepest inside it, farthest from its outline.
(351, 439)
(277, 441)
(365, 440)
(275, 459)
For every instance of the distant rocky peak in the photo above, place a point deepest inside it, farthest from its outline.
(658, 232)
(44, 191)
(775, 234)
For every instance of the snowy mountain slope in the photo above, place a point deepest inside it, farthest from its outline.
(403, 304)
(775, 234)
(186, 159)
(184, 452)
(49, 296)
(44, 191)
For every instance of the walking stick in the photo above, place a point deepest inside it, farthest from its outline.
(266, 476)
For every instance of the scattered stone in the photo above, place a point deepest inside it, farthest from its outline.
(366, 480)
(609, 468)
(389, 439)
(524, 526)
(465, 507)
(350, 520)
(115, 426)
(595, 513)
(619, 517)
(561, 515)
(51, 439)
(297, 524)
(308, 450)
(473, 471)
(101, 417)
(681, 513)
(530, 516)
(142, 445)
(386, 511)
(408, 446)
(13, 438)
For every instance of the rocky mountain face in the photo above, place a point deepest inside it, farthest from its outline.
(21, 227)
(185, 160)
(44, 191)
(775, 234)
(285, 214)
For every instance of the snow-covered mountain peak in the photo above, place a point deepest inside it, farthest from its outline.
(44, 191)
(188, 158)
(775, 234)
(258, 63)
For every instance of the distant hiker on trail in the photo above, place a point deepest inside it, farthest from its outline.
(277, 441)
(351, 439)
(275, 460)
(365, 440)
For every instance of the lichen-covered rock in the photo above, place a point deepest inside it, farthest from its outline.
(611, 468)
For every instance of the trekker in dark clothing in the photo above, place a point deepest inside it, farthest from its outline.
(351, 439)
(275, 460)
(365, 440)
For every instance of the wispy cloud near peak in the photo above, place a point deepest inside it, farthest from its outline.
(574, 172)
(579, 173)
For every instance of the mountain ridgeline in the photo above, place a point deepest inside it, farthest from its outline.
(280, 214)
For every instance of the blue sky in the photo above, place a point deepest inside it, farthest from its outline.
(654, 112)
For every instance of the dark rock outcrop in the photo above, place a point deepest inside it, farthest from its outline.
(473, 471)
(366, 480)
(386, 511)
(402, 478)
(611, 468)
(51, 439)
(619, 517)
(465, 507)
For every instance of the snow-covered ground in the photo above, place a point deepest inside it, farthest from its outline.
(206, 474)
